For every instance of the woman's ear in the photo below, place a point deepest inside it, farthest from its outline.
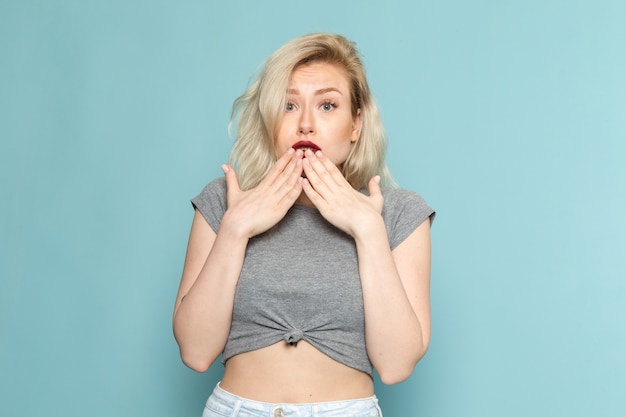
(356, 126)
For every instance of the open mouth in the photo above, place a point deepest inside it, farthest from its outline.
(305, 144)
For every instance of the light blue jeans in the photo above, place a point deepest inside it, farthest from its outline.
(225, 404)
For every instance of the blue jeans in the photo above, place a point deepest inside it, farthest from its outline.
(225, 404)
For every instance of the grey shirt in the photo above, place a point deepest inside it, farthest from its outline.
(300, 280)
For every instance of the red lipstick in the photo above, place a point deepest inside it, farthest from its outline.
(305, 144)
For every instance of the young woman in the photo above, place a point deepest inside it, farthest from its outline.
(306, 267)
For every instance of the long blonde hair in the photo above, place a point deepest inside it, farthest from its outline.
(257, 112)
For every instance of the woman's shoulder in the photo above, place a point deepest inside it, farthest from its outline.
(403, 199)
(216, 186)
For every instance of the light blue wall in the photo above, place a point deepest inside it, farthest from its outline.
(508, 116)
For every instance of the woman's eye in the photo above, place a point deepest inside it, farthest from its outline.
(290, 107)
(328, 106)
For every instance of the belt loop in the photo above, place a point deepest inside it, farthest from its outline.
(236, 408)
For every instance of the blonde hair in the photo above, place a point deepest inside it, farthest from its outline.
(257, 112)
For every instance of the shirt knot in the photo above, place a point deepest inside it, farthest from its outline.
(293, 337)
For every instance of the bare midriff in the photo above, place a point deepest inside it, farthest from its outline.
(282, 373)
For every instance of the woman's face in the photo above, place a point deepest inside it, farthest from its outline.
(318, 113)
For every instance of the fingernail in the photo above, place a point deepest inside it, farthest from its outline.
(225, 168)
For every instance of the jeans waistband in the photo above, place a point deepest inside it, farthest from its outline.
(222, 401)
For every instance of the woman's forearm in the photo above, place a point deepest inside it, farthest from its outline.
(203, 312)
(395, 337)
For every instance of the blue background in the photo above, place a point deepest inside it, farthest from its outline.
(509, 117)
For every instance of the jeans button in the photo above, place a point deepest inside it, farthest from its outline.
(278, 412)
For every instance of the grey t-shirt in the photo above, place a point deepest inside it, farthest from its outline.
(300, 280)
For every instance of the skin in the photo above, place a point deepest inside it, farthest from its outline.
(395, 283)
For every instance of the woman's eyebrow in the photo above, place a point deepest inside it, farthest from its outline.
(321, 91)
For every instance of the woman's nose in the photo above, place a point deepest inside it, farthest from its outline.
(306, 123)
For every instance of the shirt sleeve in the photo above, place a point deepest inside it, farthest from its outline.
(211, 202)
(403, 212)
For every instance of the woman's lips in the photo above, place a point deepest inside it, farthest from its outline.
(305, 144)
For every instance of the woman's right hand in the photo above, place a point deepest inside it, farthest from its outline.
(256, 210)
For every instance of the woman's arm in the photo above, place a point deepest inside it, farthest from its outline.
(204, 304)
(396, 295)
(396, 285)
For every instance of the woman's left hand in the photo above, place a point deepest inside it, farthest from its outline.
(337, 201)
